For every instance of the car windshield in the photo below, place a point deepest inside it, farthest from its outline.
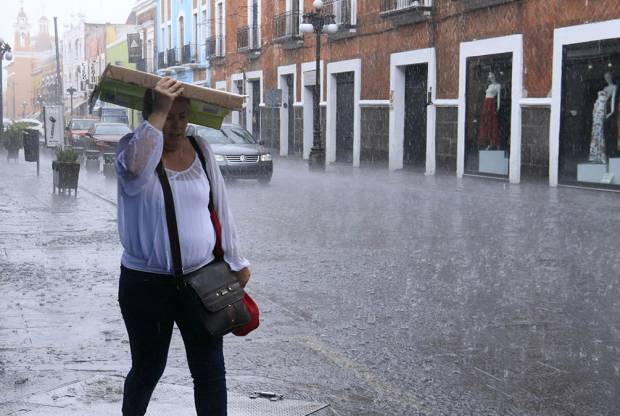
(112, 129)
(82, 124)
(213, 136)
(239, 135)
(115, 119)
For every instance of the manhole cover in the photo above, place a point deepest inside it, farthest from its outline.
(102, 395)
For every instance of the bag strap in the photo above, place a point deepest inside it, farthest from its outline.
(171, 220)
(218, 251)
(203, 162)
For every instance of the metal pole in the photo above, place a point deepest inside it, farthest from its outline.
(58, 77)
(317, 153)
(44, 125)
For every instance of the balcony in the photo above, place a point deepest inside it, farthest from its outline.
(214, 48)
(341, 10)
(406, 12)
(248, 41)
(172, 57)
(189, 54)
(470, 5)
(286, 29)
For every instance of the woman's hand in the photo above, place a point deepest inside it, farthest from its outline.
(243, 276)
(166, 91)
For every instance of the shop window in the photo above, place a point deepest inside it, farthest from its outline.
(589, 130)
(488, 114)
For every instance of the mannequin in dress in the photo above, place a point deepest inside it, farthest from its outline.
(598, 152)
(488, 133)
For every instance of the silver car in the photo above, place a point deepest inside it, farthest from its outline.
(237, 153)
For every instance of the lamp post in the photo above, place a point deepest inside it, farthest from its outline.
(317, 22)
(71, 91)
(5, 52)
(24, 105)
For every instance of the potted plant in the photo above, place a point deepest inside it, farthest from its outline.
(14, 139)
(66, 169)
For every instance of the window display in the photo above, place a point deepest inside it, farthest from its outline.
(589, 131)
(488, 108)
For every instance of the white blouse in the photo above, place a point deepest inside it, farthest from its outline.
(141, 212)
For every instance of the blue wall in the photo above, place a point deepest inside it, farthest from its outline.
(184, 8)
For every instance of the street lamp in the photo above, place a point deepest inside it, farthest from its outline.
(5, 52)
(71, 91)
(318, 22)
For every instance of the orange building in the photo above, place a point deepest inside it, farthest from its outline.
(24, 75)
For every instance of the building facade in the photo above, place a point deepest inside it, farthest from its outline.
(25, 72)
(471, 86)
(183, 39)
(145, 13)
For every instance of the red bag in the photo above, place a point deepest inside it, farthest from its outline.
(254, 317)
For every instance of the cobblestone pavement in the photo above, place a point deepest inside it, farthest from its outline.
(382, 293)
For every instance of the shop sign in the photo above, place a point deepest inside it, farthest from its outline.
(134, 44)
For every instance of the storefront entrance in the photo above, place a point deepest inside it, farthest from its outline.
(344, 116)
(414, 150)
(488, 114)
(589, 151)
(294, 147)
(255, 91)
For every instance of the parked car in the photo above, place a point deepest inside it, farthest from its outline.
(105, 136)
(34, 124)
(113, 114)
(237, 153)
(77, 130)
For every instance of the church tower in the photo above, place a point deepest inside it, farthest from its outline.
(22, 33)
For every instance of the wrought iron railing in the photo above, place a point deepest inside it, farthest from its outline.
(161, 60)
(341, 10)
(190, 54)
(391, 6)
(286, 26)
(247, 39)
(214, 47)
(171, 57)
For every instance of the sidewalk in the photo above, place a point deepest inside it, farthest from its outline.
(63, 347)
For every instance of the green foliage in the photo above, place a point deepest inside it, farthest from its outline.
(14, 135)
(66, 155)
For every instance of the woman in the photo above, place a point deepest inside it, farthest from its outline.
(148, 297)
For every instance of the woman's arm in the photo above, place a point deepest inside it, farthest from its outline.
(230, 241)
(138, 155)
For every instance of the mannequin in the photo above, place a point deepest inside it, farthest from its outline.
(599, 114)
(612, 90)
(488, 133)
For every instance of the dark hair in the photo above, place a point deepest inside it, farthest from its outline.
(148, 101)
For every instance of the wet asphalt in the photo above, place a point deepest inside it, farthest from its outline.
(382, 293)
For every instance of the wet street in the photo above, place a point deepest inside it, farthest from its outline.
(382, 293)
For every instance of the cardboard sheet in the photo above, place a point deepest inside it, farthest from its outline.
(126, 87)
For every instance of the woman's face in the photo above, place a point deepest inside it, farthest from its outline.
(176, 123)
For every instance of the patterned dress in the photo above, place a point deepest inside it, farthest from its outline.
(597, 144)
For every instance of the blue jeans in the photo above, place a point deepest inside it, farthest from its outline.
(150, 305)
